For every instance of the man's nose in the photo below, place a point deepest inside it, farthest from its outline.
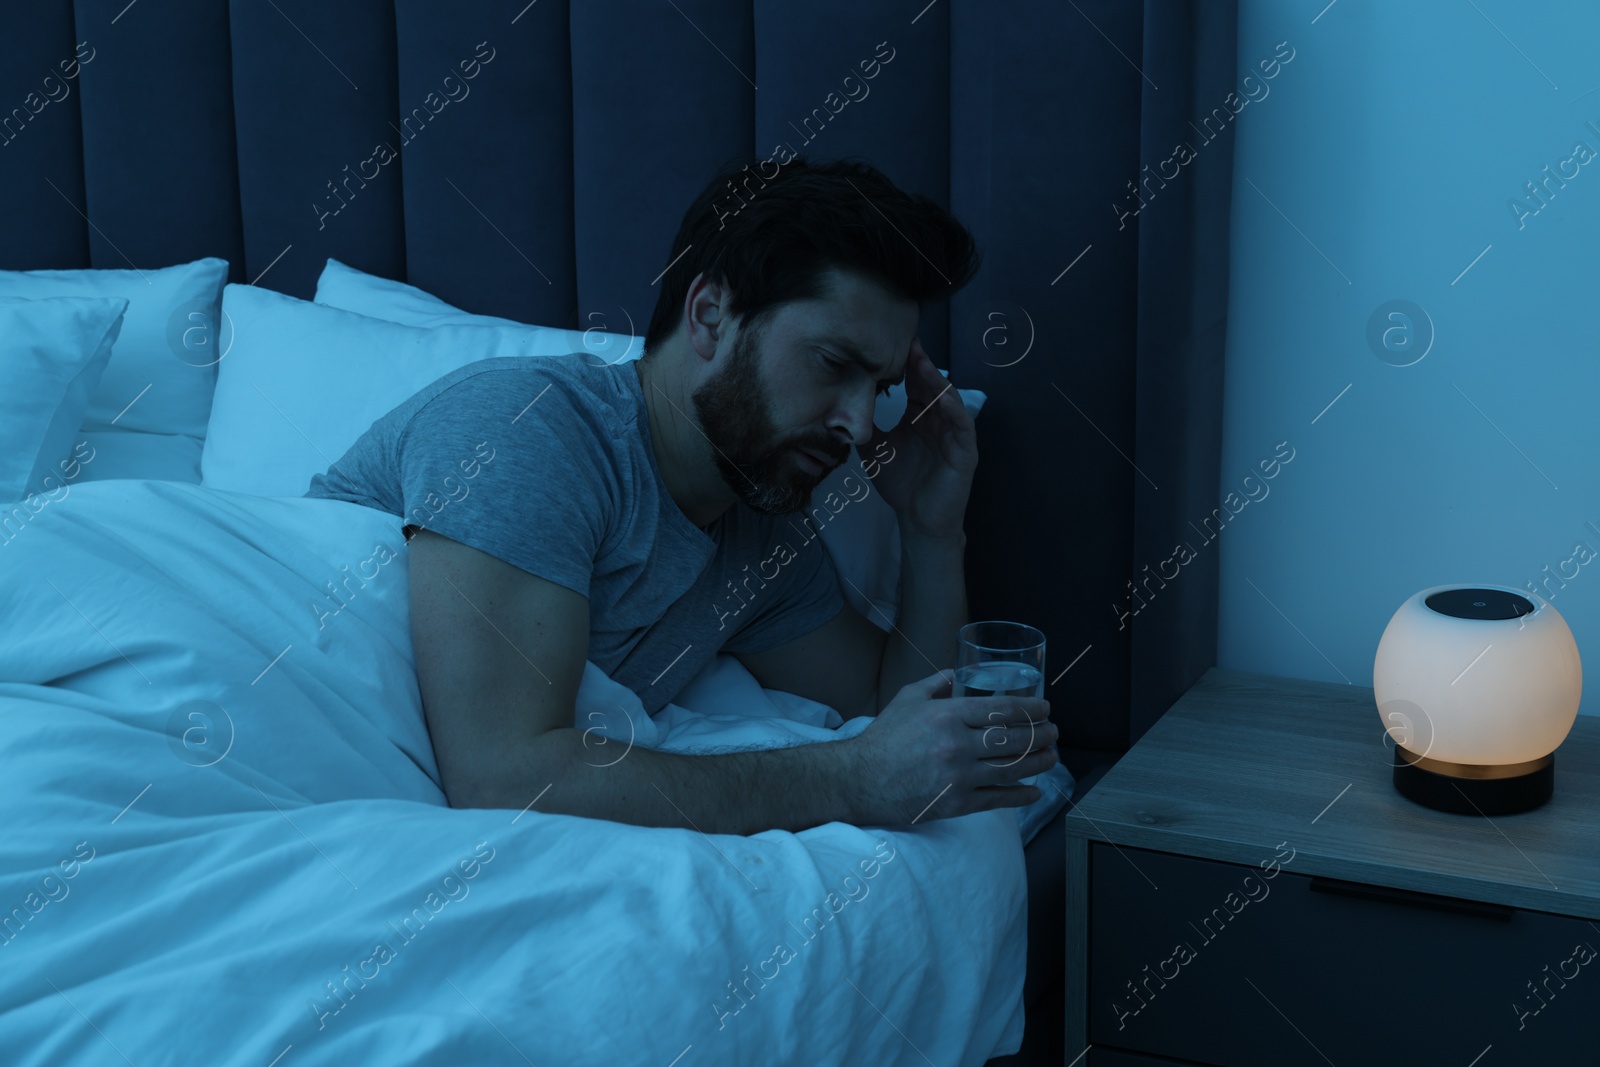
(854, 415)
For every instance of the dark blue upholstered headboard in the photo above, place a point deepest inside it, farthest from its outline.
(543, 155)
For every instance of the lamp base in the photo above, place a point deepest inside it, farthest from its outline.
(1470, 789)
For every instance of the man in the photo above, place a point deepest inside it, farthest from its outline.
(637, 515)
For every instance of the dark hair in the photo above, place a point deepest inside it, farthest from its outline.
(770, 237)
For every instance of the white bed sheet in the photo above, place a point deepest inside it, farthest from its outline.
(225, 839)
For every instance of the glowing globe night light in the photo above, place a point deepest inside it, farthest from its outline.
(1477, 685)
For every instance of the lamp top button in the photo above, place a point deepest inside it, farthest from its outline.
(1482, 604)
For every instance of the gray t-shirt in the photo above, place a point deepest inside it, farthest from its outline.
(546, 463)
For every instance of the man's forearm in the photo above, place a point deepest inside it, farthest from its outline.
(723, 793)
(933, 607)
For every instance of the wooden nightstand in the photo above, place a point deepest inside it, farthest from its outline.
(1245, 887)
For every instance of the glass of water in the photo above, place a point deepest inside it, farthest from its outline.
(999, 659)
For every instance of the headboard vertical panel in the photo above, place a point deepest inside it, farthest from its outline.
(817, 101)
(657, 108)
(314, 90)
(488, 178)
(1182, 328)
(1050, 521)
(41, 141)
(159, 94)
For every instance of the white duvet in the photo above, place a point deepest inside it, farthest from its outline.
(225, 843)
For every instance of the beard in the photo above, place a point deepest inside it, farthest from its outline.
(736, 416)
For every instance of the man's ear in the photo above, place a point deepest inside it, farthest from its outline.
(704, 317)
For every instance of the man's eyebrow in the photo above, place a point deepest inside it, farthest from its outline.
(855, 355)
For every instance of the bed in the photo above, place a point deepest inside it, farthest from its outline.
(227, 841)
(209, 710)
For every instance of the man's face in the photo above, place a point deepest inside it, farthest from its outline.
(793, 383)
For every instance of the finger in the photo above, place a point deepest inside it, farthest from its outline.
(931, 368)
(939, 408)
(923, 380)
(928, 413)
(990, 797)
(953, 423)
(917, 357)
(1009, 740)
(1006, 772)
(956, 409)
(1003, 711)
(937, 388)
(1006, 746)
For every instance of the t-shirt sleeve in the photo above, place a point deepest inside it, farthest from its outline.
(532, 484)
(809, 597)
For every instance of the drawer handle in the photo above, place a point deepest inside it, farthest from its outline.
(1385, 894)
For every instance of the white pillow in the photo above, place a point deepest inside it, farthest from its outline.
(162, 369)
(302, 381)
(346, 287)
(861, 532)
(52, 354)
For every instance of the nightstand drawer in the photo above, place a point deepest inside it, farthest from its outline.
(1219, 963)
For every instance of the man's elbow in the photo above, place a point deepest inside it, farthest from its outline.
(516, 779)
(475, 793)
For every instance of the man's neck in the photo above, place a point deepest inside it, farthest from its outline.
(679, 445)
